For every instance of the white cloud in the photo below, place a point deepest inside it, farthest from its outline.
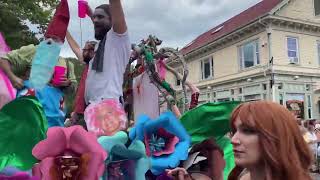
(175, 22)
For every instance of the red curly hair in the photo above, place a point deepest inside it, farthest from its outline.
(286, 156)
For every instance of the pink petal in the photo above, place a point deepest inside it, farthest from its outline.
(45, 166)
(53, 146)
(82, 142)
(69, 130)
(36, 171)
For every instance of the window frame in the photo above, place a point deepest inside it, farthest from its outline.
(297, 48)
(202, 68)
(256, 54)
(314, 8)
(309, 106)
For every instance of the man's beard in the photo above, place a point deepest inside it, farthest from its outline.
(99, 35)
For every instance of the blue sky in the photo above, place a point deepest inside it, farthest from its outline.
(176, 22)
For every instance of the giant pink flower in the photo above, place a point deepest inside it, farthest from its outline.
(65, 144)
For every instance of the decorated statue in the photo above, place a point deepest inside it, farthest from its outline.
(152, 61)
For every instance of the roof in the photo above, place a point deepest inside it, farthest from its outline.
(245, 17)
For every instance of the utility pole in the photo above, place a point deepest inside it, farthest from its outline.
(272, 80)
(272, 86)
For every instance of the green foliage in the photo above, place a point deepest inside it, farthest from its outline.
(15, 13)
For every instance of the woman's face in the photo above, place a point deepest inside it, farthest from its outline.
(246, 146)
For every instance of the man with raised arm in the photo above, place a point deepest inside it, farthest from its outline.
(104, 114)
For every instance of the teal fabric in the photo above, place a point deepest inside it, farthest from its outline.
(115, 146)
(43, 63)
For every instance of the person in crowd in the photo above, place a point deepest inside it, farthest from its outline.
(267, 144)
(311, 138)
(211, 167)
(16, 65)
(84, 56)
(105, 75)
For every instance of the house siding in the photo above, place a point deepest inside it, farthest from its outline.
(301, 10)
(307, 46)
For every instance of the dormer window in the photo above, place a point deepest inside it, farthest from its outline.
(217, 29)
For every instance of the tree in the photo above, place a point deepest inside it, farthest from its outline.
(15, 13)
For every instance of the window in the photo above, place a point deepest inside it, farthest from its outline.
(292, 45)
(281, 98)
(217, 30)
(232, 91)
(178, 81)
(308, 87)
(264, 87)
(309, 106)
(316, 7)
(253, 97)
(223, 100)
(207, 68)
(249, 54)
(318, 47)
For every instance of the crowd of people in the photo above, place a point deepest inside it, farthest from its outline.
(268, 142)
(310, 130)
